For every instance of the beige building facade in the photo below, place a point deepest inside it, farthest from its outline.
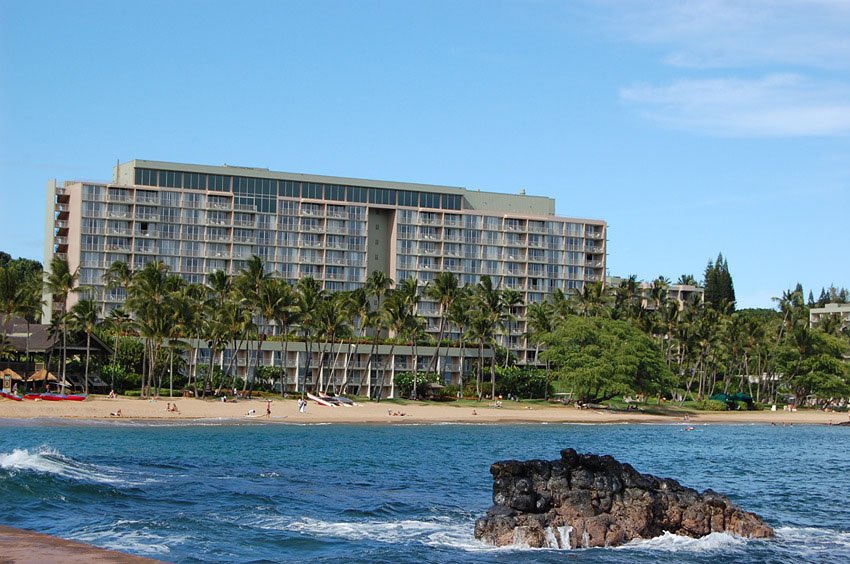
(199, 219)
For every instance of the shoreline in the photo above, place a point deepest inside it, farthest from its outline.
(285, 411)
(23, 545)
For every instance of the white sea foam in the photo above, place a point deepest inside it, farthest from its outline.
(814, 539)
(46, 460)
(134, 541)
(668, 542)
(436, 533)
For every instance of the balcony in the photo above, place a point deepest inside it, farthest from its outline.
(63, 208)
(593, 235)
(123, 197)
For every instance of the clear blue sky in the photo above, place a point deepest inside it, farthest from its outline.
(691, 127)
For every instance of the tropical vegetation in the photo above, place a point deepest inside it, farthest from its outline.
(626, 339)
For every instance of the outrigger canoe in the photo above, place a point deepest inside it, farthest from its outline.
(7, 395)
(55, 397)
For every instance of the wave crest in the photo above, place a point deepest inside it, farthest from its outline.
(46, 460)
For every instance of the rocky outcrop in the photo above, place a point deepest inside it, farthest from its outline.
(584, 500)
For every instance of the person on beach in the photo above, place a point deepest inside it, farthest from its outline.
(111, 394)
(268, 408)
(116, 413)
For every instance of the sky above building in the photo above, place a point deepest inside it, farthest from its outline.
(692, 128)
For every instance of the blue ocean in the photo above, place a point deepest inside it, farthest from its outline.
(213, 492)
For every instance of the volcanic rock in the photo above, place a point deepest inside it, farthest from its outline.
(585, 500)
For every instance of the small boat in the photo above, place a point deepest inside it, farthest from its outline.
(320, 401)
(62, 397)
(7, 395)
(344, 401)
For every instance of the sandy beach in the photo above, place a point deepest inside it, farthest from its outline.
(286, 411)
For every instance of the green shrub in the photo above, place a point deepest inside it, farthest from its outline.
(132, 393)
(710, 405)
(404, 383)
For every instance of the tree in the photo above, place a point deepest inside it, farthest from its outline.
(443, 291)
(60, 282)
(599, 358)
(310, 294)
(249, 283)
(377, 286)
(286, 314)
(539, 324)
(149, 301)
(719, 290)
(84, 318)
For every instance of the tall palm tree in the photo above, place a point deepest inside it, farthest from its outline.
(219, 288)
(310, 294)
(461, 317)
(149, 301)
(512, 301)
(491, 309)
(249, 282)
(118, 275)
(443, 291)
(285, 316)
(539, 324)
(359, 309)
(83, 317)
(60, 281)
(377, 286)
(396, 318)
(269, 302)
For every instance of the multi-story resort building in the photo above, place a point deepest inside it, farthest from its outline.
(201, 219)
(841, 313)
(680, 293)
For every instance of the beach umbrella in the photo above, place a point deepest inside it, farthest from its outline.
(41, 375)
(13, 374)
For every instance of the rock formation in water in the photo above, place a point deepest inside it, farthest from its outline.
(584, 500)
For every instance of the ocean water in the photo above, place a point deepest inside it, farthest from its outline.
(212, 492)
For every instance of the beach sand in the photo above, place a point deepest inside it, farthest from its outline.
(286, 411)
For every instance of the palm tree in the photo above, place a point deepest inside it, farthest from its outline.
(118, 275)
(359, 309)
(377, 286)
(285, 315)
(148, 300)
(511, 301)
(461, 317)
(269, 302)
(443, 291)
(83, 317)
(60, 282)
(395, 318)
(310, 294)
(591, 299)
(219, 287)
(539, 324)
(249, 282)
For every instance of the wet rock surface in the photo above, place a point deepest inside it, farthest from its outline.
(585, 500)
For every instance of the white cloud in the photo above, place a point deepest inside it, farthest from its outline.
(740, 33)
(777, 105)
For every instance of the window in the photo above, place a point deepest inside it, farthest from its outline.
(312, 190)
(407, 198)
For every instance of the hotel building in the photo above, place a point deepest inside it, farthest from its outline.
(200, 219)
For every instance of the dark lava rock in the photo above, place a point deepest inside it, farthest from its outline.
(584, 500)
